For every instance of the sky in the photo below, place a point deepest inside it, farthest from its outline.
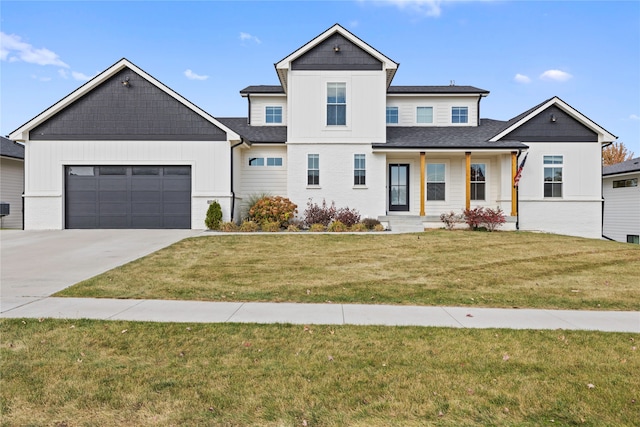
(523, 52)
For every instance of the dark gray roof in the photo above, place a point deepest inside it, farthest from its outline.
(436, 89)
(8, 148)
(267, 89)
(255, 134)
(632, 165)
(471, 137)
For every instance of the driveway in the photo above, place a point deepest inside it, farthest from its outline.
(36, 264)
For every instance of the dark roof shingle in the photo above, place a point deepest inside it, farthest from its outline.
(9, 148)
(632, 165)
(255, 134)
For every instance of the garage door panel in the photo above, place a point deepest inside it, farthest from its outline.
(81, 183)
(177, 185)
(112, 196)
(146, 208)
(113, 184)
(146, 183)
(146, 196)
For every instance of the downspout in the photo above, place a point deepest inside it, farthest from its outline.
(233, 194)
(602, 195)
(248, 108)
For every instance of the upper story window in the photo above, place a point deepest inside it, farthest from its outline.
(435, 181)
(261, 161)
(392, 115)
(459, 114)
(478, 181)
(273, 115)
(633, 182)
(553, 176)
(424, 115)
(359, 169)
(336, 104)
(313, 169)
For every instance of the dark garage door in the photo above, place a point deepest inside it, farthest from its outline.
(128, 197)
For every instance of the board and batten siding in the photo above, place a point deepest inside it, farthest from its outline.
(11, 185)
(44, 173)
(621, 208)
(442, 105)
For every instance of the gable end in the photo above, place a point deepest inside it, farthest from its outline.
(141, 111)
(324, 57)
(541, 128)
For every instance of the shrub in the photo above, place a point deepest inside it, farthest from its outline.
(270, 226)
(494, 218)
(315, 214)
(249, 226)
(293, 228)
(378, 227)
(359, 227)
(337, 227)
(450, 219)
(252, 199)
(474, 217)
(229, 227)
(214, 216)
(370, 223)
(348, 217)
(315, 228)
(273, 209)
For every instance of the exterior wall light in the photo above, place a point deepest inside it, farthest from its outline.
(336, 48)
(126, 83)
(552, 118)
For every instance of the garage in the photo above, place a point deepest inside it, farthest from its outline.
(115, 196)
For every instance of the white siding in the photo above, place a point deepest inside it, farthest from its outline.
(621, 208)
(407, 109)
(256, 180)
(44, 175)
(259, 104)
(11, 184)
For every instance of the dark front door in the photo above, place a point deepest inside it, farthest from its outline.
(398, 187)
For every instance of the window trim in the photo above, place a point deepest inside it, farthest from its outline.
(625, 183)
(397, 114)
(423, 107)
(338, 85)
(553, 164)
(444, 182)
(458, 115)
(633, 238)
(267, 114)
(484, 182)
(313, 167)
(263, 161)
(356, 178)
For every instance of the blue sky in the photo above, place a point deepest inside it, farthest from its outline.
(585, 52)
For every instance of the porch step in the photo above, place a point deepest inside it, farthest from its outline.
(403, 223)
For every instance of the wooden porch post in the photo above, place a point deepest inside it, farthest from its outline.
(468, 180)
(514, 197)
(422, 182)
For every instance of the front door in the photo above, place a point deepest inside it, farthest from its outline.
(399, 187)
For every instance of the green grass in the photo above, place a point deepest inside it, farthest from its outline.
(95, 373)
(459, 268)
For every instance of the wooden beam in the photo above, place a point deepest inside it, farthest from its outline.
(468, 180)
(422, 182)
(514, 196)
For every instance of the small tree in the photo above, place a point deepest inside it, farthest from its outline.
(493, 219)
(214, 216)
(315, 214)
(615, 153)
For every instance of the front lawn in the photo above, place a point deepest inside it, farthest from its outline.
(108, 373)
(459, 268)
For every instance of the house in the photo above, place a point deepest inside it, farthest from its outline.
(126, 151)
(622, 201)
(11, 182)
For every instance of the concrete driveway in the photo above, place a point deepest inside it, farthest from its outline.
(36, 264)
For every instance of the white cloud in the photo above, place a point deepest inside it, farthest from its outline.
(81, 76)
(41, 79)
(423, 7)
(13, 49)
(247, 36)
(555, 75)
(193, 76)
(521, 78)
(634, 117)
(63, 73)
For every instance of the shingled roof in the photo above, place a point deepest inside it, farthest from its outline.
(632, 165)
(255, 134)
(277, 89)
(8, 148)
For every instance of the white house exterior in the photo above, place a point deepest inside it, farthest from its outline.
(11, 182)
(622, 201)
(334, 129)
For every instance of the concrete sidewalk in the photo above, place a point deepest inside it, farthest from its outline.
(328, 314)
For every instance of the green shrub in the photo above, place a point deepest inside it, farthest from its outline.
(359, 227)
(228, 227)
(337, 227)
(214, 216)
(317, 228)
(370, 223)
(270, 226)
(273, 209)
(249, 226)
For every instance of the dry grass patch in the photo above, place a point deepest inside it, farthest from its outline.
(433, 268)
(59, 372)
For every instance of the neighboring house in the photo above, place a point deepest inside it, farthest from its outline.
(11, 181)
(622, 201)
(335, 129)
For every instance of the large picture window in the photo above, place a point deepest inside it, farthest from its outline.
(553, 176)
(435, 181)
(313, 169)
(478, 181)
(336, 104)
(359, 169)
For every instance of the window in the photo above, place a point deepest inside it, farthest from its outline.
(392, 115)
(552, 176)
(633, 182)
(260, 161)
(633, 238)
(336, 104)
(478, 181)
(313, 169)
(435, 181)
(359, 169)
(424, 115)
(273, 115)
(459, 115)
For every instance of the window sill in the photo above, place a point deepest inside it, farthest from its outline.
(313, 187)
(360, 187)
